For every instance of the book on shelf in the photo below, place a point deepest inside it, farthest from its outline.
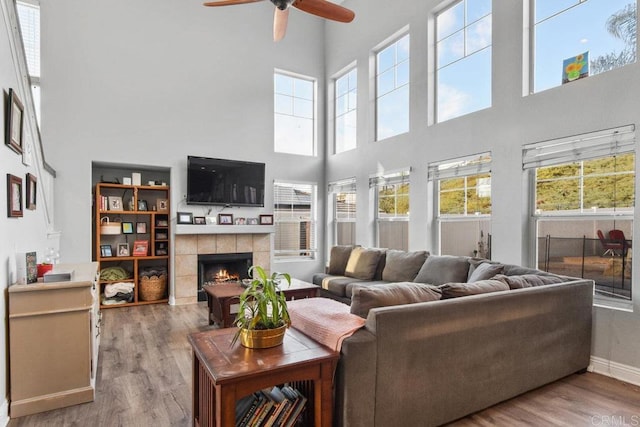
(246, 419)
(270, 407)
(298, 403)
(242, 407)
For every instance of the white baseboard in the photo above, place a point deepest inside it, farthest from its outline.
(626, 373)
(4, 413)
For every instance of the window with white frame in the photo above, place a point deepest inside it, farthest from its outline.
(603, 30)
(463, 67)
(294, 126)
(392, 210)
(583, 206)
(295, 220)
(29, 17)
(463, 188)
(392, 89)
(346, 94)
(343, 196)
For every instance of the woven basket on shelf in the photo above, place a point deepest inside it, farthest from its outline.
(152, 288)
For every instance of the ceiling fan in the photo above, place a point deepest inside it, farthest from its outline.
(321, 8)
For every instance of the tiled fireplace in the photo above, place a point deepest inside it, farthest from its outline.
(189, 246)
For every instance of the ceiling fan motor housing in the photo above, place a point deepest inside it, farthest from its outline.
(282, 4)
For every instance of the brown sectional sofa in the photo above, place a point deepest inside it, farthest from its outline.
(428, 356)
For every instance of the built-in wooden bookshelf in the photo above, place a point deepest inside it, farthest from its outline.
(126, 215)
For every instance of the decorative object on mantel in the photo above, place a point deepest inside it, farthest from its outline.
(14, 125)
(199, 220)
(211, 220)
(225, 219)
(266, 219)
(252, 221)
(321, 8)
(263, 317)
(185, 218)
(14, 196)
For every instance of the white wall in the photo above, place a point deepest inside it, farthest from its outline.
(149, 83)
(599, 102)
(26, 234)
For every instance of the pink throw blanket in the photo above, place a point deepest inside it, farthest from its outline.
(327, 321)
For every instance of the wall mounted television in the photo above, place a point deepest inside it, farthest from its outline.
(224, 182)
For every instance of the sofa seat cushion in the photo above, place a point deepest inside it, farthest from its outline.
(529, 280)
(363, 263)
(441, 269)
(454, 290)
(401, 266)
(364, 298)
(337, 285)
(483, 269)
(338, 259)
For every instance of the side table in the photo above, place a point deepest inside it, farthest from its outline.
(222, 374)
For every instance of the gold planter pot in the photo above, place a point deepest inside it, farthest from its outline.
(262, 338)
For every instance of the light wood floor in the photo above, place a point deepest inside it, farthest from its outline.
(144, 379)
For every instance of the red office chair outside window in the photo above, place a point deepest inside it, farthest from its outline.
(617, 236)
(610, 247)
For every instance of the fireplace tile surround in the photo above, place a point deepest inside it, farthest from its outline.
(189, 246)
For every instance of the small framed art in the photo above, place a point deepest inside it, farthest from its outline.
(252, 221)
(105, 251)
(15, 120)
(266, 219)
(127, 228)
(14, 196)
(140, 247)
(199, 220)
(162, 205)
(31, 191)
(225, 219)
(142, 205)
(115, 203)
(141, 227)
(123, 249)
(185, 218)
(240, 221)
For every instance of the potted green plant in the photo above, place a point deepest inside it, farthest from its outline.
(262, 313)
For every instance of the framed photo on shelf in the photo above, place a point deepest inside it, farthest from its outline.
(240, 221)
(225, 219)
(161, 235)
(105, 251)
(252, 221)
(14, 196)
(142, 205)
(127, 228)
(161, 249)
(123, 249)
(140, 247)
(199, 220)
(162, 223)
(185, 218)
(141, 228)
(162, 205)
(15, 120)
(31, 191)
(115, 203)
(266, 219)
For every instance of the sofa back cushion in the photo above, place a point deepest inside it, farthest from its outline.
(529, 280)
(364, 298)
(454, 290)
(338, 259)
(441, 269)
(483, 269)
(362, 263)
(403, 266)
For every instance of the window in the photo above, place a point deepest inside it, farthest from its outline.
(346, 111)
(463, 188)
(463, 70)
(392, 213)
(295, 220)
(584, 189)
(343, 194)
(606, 29)
(29, 17)
(392, 89)
(294, 115)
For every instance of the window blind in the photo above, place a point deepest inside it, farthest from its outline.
(390, 179)
(294, 217)
(586, 146)
(343, 186)
(463, 166)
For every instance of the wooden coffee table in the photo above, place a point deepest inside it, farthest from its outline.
(223, 373)
(222, 299)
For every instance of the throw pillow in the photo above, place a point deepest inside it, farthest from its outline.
(483, 270)
(528, 280)
(402, 266)
(338, 259)
(454, 290)
(441, 269)
(364, 298)
(362, 263)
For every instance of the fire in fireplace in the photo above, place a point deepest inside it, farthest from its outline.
(221, 268)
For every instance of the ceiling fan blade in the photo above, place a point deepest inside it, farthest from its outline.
(325, 9)
(280, 19)
(229, 2)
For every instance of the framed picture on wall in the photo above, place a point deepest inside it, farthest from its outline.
(15, 120)
(31, 191)
(14, 196)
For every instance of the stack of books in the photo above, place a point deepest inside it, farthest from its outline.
(277, 406)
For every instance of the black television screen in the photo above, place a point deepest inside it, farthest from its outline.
(224, 182)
